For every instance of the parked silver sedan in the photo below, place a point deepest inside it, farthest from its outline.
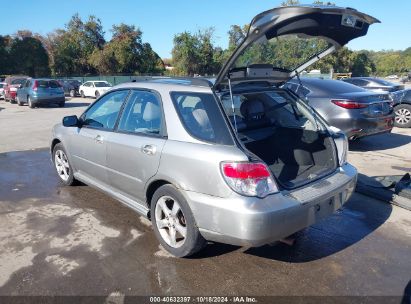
(241, 161)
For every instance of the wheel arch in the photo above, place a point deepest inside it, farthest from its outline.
(54, 142)
(152, 188)
(402, 103)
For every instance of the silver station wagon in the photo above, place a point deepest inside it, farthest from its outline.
(240, 160)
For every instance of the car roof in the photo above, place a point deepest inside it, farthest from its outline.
(164, 85)
(319, 85)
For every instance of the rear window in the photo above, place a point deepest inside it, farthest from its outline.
(329, 87)
(383, 82)
(201, 117)
(47, 84)
(102, 84)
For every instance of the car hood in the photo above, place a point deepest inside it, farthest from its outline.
(336, 25)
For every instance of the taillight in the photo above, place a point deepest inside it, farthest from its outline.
(349, 104)
(250, 179)
(35, 85)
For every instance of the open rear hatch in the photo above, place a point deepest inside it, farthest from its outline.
(270, 123)
(331, 27)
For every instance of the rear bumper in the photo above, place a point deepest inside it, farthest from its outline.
(48, 100)
(250, 221)
(360, 127)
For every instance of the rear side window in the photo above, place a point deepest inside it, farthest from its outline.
(201, 117)
(142, 114)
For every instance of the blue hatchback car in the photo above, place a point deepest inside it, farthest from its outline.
(37, 92)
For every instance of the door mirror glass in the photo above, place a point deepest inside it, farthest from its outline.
(71, 121)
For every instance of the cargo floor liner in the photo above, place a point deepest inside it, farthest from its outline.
(295, 156)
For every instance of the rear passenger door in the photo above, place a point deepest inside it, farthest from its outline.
(134, 150)
(24, 91)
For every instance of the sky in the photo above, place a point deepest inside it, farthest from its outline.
(160, 20)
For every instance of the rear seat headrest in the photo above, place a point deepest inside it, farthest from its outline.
(252, 109)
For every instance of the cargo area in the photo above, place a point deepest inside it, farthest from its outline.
(283, 133)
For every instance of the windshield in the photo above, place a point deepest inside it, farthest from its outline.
(102, 84)
(285, 52)
(18, 81)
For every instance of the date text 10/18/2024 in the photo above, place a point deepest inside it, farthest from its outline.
(203, 299)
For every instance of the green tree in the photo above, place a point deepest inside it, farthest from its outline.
(362, 65)
(126, 53)
(196, 54)
(29, 57)
(104, 61)
(5, 64)
(185, 53)
(73, 46)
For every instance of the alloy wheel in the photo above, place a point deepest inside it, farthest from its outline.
(62, 165)
(170, 221)
(403, 116)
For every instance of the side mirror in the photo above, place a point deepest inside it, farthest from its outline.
(71, 121)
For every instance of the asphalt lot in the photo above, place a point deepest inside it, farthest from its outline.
(77, 241)
(30, 128)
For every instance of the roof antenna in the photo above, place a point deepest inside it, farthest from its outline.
(232, 101)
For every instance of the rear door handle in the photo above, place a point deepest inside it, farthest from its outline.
(99, 139)
(149, 149)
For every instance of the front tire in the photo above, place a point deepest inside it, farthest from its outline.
(63, 166)
(174, 223)
(402, 116)
(72, 93)
(97, 94)
(82, 94)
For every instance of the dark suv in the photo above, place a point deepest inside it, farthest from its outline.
(70, 86)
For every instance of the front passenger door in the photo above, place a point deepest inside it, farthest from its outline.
(88, 146)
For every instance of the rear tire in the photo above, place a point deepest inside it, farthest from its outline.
(19, 102)
(61, 104)
(172, 218)
(63, 166)
(30, 103)
(402, 116)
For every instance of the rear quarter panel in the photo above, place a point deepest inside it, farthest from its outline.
(196, 167)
